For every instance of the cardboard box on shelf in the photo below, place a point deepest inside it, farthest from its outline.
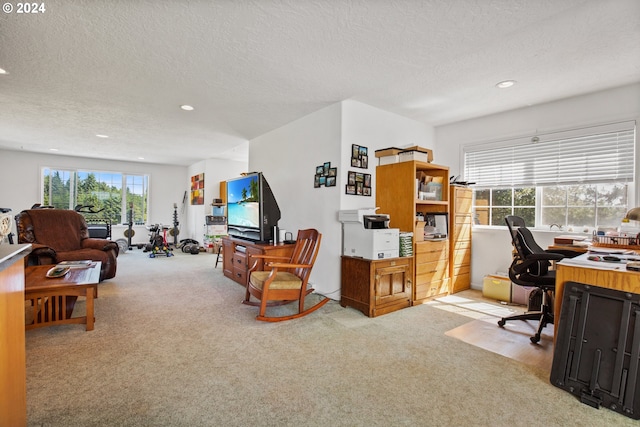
(391, 151)
(408, 156)
(394, 155)
(387, 160)
(420, 150)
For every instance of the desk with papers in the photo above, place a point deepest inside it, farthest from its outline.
(581, 269)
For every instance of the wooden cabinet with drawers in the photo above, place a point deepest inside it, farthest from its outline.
(376, 287)
(432, 269)
(460, 224)
(237, 260)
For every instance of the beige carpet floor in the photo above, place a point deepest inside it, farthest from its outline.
(174, 346)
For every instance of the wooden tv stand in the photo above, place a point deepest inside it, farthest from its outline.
(236, 253)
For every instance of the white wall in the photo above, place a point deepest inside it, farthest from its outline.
(21, 187)
(376, 129)
(288, 156)
(491, 250)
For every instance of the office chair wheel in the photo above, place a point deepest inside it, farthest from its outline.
(535, 339)
(501, 323)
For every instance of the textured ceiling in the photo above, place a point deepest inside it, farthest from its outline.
(123, 68)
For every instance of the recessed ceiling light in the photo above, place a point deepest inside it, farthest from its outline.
(186, 107)
(140, 158)
(53, 149)
(505, 84)
(99, 135)
(3, 71)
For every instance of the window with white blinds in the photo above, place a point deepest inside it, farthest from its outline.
(599, 154)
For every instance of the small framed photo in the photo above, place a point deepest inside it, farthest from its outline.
(325, 168)
(351, 178)
(359, 156)
(316, 181)
(319, 170)
(333, 171)
(331, 181)
(350, 189)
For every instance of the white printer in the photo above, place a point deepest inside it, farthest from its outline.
(367, 234)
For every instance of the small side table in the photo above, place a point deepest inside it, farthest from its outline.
(53, 299)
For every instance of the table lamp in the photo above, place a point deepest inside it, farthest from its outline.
(632, 215)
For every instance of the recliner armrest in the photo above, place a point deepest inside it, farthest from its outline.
(41, 255)
(100, 244)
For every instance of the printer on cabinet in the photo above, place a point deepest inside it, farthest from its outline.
(367, 234)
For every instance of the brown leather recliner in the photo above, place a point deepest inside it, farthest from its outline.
(61, 235)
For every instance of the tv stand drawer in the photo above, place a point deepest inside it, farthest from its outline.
(236, 262)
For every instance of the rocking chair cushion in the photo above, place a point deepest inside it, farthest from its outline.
(283, 280)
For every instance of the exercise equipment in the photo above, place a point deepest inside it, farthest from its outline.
(158, 245)
(174, 231)
(189, 246)
(98, 227)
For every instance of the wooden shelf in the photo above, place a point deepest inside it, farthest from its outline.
(396, 195)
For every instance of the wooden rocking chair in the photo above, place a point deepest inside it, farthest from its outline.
(284, 280)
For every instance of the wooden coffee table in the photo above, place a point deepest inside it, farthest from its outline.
(53, 299)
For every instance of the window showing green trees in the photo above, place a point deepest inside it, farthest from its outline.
(492, 205)
(582, 205)
(113, 194)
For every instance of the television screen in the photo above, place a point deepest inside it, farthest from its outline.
(243, 202)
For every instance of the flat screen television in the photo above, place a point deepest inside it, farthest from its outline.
(252, 209)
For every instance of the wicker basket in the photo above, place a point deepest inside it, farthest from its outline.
(618, 242)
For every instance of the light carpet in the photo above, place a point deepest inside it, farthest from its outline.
(174, 346)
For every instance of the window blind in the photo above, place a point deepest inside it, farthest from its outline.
(595, 156)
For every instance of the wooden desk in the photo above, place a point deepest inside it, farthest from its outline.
(52, 299)
(575, 248)
(13, 378)
(589, 273)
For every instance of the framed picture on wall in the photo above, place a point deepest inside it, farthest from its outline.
(325, 176)
(358, 184)
(197, 189)
(359, 156)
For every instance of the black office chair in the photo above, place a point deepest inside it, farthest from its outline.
(531, 267)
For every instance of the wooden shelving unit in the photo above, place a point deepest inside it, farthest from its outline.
(397, 195)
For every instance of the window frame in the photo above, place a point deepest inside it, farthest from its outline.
(583, 132)
(124, 203)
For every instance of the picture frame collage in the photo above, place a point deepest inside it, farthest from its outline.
(325, 176)
(359, 183)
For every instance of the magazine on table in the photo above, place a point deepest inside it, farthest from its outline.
(83, 263)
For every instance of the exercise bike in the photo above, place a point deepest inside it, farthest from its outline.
(158, 245)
